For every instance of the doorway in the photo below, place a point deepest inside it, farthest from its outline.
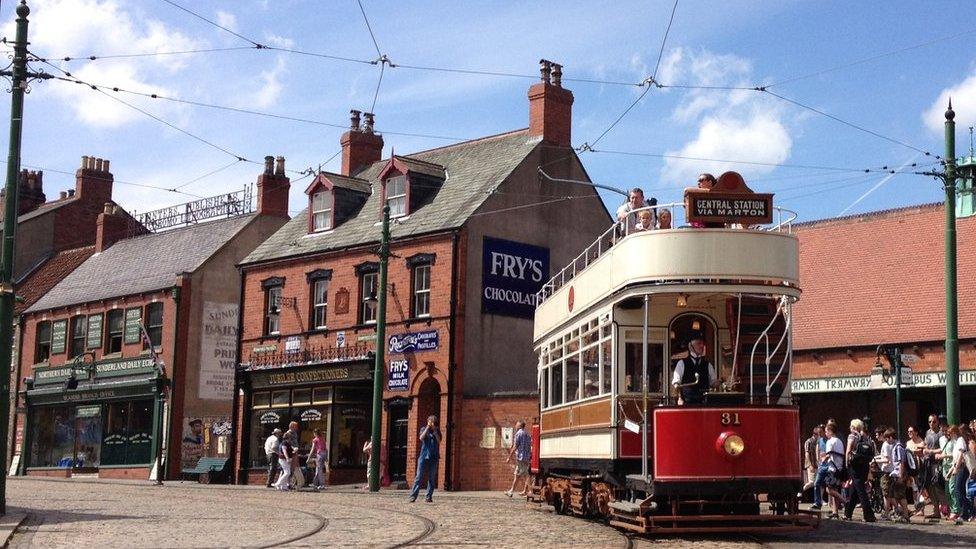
(397, 447)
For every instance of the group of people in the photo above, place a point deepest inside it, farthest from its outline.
(285, 459)
(649, 218)
(938, 470)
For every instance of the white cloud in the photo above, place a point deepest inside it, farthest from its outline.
(731, 124)
(105, 27)
(963, 93)
(270, 87)
(227, 19)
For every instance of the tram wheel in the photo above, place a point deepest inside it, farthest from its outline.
(558, 505)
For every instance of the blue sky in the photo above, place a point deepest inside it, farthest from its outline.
(900, 96)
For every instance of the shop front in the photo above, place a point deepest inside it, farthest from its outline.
(335, 398)
(102, 418)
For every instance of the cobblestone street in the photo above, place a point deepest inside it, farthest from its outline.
(72, 513)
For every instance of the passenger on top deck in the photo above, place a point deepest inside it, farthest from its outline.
(706, 182)
(645, 221)
(664, 219)
(690, 391)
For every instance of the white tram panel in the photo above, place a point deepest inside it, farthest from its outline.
(769, 257)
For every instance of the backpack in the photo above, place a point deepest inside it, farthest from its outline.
(911, 462)
(863, 452)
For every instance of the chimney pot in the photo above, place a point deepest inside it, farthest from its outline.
(545, 69)
(105, 165)
(63, 194)
(557, 75)
(268, 165)
(368, 125)
(354, 119)
(108, 209)
(71, 192)
(280, 165)
(84, 162)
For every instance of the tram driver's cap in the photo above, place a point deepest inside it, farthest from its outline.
(696, 336)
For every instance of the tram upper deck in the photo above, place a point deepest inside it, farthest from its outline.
(755, 260)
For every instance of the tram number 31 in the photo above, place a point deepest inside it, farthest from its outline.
(730, 418)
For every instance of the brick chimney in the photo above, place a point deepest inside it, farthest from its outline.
(551, 106)
(30, 191)
(93, 181)
(112, 226)
(360, 146)
(273, 187)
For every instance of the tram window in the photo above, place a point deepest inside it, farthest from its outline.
(591, 337)
(607, 365)
(591, 371)
(572, 378)
(544, 388)
(633, 364)
(557, 385)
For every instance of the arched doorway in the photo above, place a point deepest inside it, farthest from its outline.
(429, 403)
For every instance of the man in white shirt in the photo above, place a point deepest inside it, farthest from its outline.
(635, 201)
(271, 451)
(691, 389)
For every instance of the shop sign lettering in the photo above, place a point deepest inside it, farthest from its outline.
(399, 378)
(863, 383)
(133, 319)
(218, 351)
(511, 274)
(270, 418)
(59, 336)
(94, 339)
(729, 207)
(414, 342)
(89, 395)
(263, 349)
(311, 415)
(293, 344)
(311, 376)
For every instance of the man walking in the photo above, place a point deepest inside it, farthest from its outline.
(522, 450)
(271, 446)
(860, 452)
(286, 452)
(810, 458)
(899, 477)
(935, 487)
(430, 441)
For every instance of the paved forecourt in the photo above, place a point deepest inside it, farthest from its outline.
(75, 513)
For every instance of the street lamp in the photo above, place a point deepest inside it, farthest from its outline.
(85, 362)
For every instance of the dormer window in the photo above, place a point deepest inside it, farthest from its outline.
(322, 207)
(396, 195)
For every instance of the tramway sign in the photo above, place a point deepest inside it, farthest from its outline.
(722, 207)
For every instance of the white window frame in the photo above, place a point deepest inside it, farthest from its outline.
(322, 211)
(421, 274)
(320, 307)
(272, 312)
(364, 298)
(397, 201)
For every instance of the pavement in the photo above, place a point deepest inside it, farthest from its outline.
(100, 513)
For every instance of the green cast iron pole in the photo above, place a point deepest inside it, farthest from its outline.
(952, 330)
(374, 453)
(18, 83)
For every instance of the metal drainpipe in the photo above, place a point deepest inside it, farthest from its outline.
(235, 415)
(448, 469)
(178, 298)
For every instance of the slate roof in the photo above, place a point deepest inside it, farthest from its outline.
(878, 278)
(54, 268)
(142, 264)
(346, 182)
(419, 166)
(473, 169)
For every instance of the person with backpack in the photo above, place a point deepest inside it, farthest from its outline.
(834, 459)
(860, 452)
(898, 477)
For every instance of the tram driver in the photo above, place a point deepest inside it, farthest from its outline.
(691, 389)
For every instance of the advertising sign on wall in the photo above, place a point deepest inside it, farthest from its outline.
(133, 320)
(399, 378)
(511, 274)
(94, 339)
(218, 351)
(59, 336)
(414, 342)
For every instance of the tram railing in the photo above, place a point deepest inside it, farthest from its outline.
(637, 222)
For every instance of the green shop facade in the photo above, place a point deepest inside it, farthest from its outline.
(89, 417)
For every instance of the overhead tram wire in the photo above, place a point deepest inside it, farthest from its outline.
(214, 23)
(119, 181)
(206, 175)
(647, 83)
(93, 57)
(369, 28)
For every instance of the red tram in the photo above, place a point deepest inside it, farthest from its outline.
(664, 372)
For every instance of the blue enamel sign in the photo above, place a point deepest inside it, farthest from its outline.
(511, 274)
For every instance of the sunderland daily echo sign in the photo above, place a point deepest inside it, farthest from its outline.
(511, 274)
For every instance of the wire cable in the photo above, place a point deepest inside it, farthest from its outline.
(667, 31)
(369, 28)
(93, 57)
(376, 94)
(206, 175)
(214, 23)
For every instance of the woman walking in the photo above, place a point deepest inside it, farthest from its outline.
(320, 450)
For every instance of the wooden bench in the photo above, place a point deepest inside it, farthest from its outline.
(210, 470)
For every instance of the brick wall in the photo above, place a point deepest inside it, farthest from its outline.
(837, 362)
(485, 468)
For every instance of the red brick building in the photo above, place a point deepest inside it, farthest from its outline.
(475, 233)
(872, 279)
(54, 238)
(130, 355)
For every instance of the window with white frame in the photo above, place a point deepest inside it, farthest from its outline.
(368, 289)
(396, 195)
(577, 365)
(421, 290)
(320, 303)
(322, 205)
(272, 315)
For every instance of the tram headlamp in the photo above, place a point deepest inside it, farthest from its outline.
(730, 444)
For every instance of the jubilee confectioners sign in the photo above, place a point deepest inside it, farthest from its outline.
(310, 376)
(719, 207)
(511, 274)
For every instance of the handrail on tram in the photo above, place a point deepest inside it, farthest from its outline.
(623, 228)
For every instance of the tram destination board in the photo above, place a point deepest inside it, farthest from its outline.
(718, 207)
